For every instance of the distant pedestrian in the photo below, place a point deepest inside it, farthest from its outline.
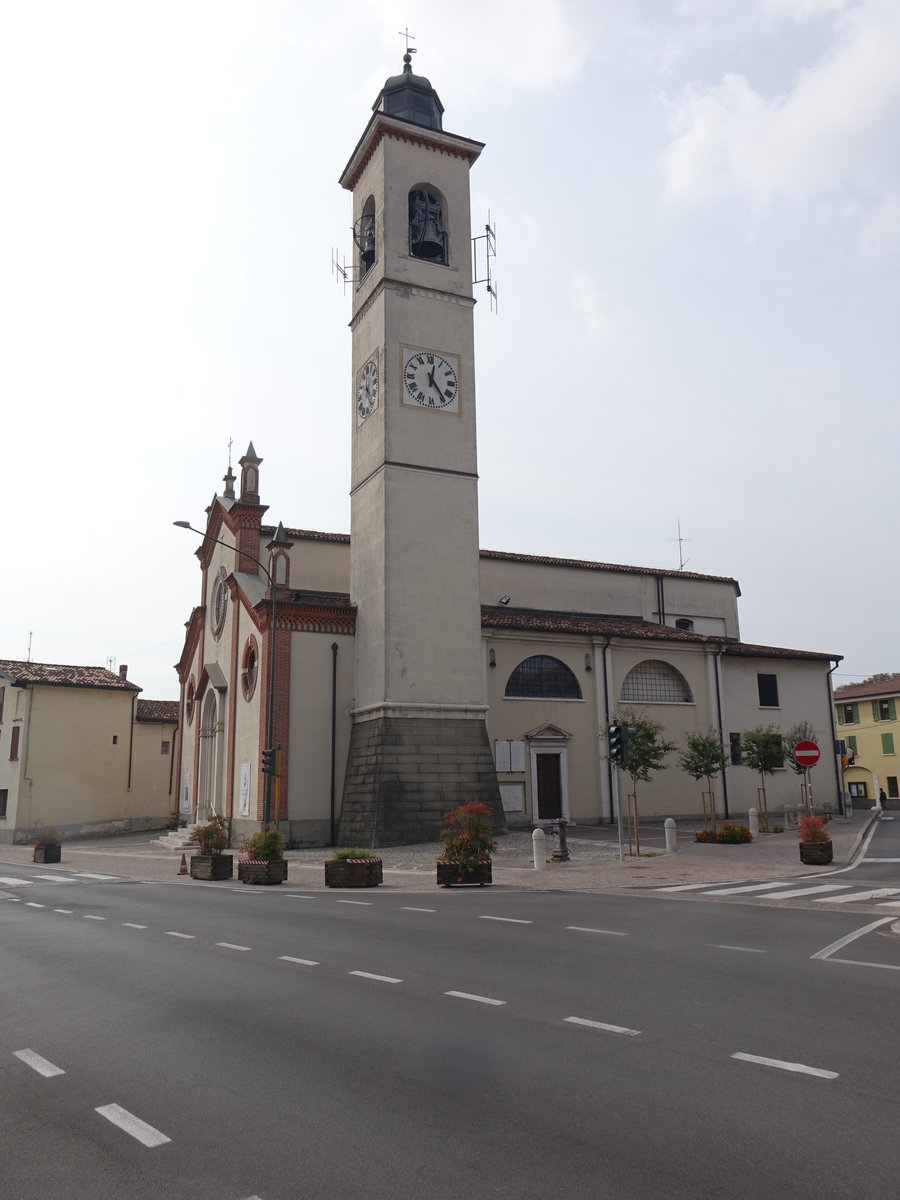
(882, 798)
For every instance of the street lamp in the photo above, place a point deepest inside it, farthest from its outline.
(270, 716)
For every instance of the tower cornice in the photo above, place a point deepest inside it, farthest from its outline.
(381, 126)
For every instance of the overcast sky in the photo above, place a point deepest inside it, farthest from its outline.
(697, 208)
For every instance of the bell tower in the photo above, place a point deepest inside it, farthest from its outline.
(419, 742)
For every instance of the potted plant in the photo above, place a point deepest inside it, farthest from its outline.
(353, 868)
(468, 845)
(816, 849)
(47, 843)
(264, 860)
(212, 839)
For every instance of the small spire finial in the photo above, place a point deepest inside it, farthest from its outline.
(410, 50)
(230, 443)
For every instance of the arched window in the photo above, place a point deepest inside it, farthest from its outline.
(364, 236)
(542, 678)
(427, 235)
(685, 624)
(249, 668)
(189, 702)
(655, 682)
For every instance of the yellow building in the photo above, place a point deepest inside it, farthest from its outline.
(867, 722)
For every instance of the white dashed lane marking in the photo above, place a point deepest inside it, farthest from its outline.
(605, 1026)
(144, 1133)
(303, 962)
(378, 978)
(477, 999)
(508, 920)
(585, 929)
(174, 933)
(130, 925)
(232, 946)
(39, 1064)
(409, 908)
(781, 1065)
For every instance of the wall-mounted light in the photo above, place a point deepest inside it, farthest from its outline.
(587, 663)
(504, 599)
(492, 658)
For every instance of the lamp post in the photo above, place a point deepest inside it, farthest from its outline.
(270, 716)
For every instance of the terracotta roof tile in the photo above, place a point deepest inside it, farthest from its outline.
(864, 691)
(158, 710)
(54, 675)
(539, 621)
(748, 650)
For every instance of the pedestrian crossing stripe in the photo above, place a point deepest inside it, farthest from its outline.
(795, 891)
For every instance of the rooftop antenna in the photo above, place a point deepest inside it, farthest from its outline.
(682, 561)
(30, 634)
(482, 257)
(110, 663)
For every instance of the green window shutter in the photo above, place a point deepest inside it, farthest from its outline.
(855, 714)
(840, 714)
(851, 742)
(887, 743)
(893, 710)
(874, 710)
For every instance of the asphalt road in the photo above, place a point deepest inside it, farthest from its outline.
(512, 1045)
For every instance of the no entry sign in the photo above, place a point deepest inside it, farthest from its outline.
(806, 754)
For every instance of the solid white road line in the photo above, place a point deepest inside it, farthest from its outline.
(39, 1064)
(91, 917)
(797, 1068)
(869, 859)
(174, 933)
(232, 946)
(294, 896)
(131, 925)
(366, 903)
(603, 1025)
(685, 887)
(303, 962)
(745, 887)
(873, 894)
(144, 1133)
(508, 920)
(478, 999)
(67, 911)
(799, 893)
(853, 962)
(743, 949)
(379, 978)
(408, 908)
(851, 937)
(585, 929)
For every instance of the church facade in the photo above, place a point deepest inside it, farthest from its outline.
(401, 669)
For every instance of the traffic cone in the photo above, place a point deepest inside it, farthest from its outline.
(182, 870)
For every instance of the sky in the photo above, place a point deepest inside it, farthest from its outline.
(697, 210)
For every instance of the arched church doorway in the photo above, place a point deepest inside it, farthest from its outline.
(210, 789)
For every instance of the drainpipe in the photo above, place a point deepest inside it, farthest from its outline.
(131, 739)
(334, 654)
(609, 768)
(721, 730)
(661, 598)
(838, 776)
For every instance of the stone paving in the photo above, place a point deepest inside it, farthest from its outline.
(594, 864)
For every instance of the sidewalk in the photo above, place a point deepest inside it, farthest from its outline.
(594, 864)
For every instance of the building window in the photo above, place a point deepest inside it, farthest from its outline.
(2, 700)
(848, 714)
(737, 757)
(4, 799)
(768, 690)
(249, 668)
(655, 682)
(542, 678)
(14, 743)
(887, 743)
(115, 739)
(219, 604)
(189, 702)
(165, 747)
(883, 710)
(857, 790)
(685, 624)
(893, 794)
(851, 744)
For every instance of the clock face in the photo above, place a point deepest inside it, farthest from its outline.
(430, 380)
(367, 390)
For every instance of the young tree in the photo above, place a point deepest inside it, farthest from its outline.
(704, 758)
(802, 731)
(646, 751)
(762, 750)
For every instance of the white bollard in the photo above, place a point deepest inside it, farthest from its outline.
(753, 822)
(671, 836)
(539, 846)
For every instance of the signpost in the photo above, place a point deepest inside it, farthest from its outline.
(806, 755)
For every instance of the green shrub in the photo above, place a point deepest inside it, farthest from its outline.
(355, 853)
(212, 837)
(265, 846)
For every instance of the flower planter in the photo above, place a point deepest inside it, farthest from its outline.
(354, 872)
(47, 854)
(212, 866)
(450, 875)
(257, 871)
(816, 854)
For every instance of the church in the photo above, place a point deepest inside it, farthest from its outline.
(355, 687)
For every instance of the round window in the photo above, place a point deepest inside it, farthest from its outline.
(249, 668)
(219, 605)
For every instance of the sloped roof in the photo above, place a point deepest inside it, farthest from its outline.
(617, 568)
(541, 621)
(55, 675)
(749, 650)
(865, 691)
(163, 711)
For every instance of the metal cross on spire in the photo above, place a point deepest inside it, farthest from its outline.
(404, 33)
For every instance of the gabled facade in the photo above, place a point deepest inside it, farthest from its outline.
(79, 751)
(867, 721)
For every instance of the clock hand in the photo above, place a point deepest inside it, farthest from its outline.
(431, 380)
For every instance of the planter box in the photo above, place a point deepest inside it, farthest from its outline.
(449, 875)
(254, 871)
(47, 854)
(212, 866)
(816, 854)
(354, 872)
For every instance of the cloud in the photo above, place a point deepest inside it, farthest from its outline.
(607, 321)
(880, 234)
(833, 134)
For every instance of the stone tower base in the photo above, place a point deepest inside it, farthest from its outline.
(404, 773)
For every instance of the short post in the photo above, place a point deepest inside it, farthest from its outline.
(539, 848)
(753, 822)
(671, 836)
(561, 852)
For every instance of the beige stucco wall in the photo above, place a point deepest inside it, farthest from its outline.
(152, 772)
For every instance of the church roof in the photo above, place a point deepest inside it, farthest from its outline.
(157, 710)
(620, 568)
(21, 674)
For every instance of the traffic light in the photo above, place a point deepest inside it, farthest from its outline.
(616, 743)
(269, 761)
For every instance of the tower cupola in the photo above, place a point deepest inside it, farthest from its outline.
(411, 98)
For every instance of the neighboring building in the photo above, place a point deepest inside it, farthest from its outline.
(867, 723)
(412, 669)
(80, 751)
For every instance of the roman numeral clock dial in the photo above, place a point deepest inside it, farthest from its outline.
(430, 380)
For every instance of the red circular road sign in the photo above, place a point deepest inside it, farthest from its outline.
(806, 754)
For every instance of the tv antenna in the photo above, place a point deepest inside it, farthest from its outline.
(482, 257)
(682, 561)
